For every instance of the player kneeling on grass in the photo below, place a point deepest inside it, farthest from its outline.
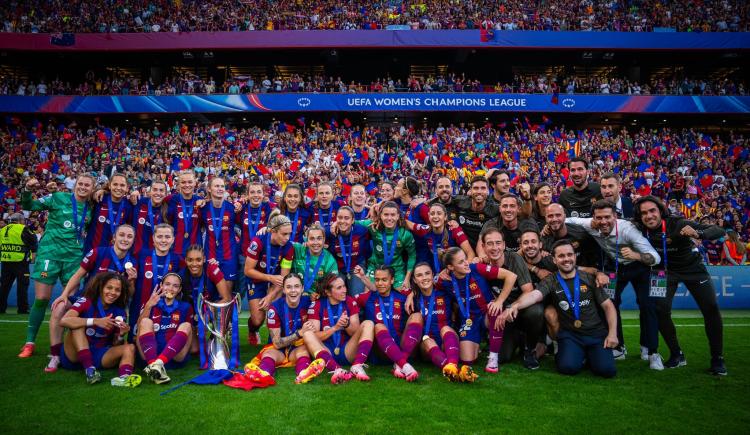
(434, 309)
(339, 331)
(95, 323)
(386, 308)
(479, 311)
(287, 323)
(165, 329)
(583, 334)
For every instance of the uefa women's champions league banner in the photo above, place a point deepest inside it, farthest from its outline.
(732, 284)
(412, 102)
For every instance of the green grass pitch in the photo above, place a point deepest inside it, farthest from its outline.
(684, 400)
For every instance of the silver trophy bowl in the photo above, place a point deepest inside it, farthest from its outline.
(217, 318)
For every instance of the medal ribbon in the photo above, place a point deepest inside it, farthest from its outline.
(465, 310)
(78, 226)
(429, 307)
(310, 278)
(388, 255)
(389, 318)
(576, 300)
(333, 319)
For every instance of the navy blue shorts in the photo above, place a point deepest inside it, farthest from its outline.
(257, 290)
(97, 353)
(473, 333)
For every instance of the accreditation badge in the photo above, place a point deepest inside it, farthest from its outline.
(611, 288)
(658, 284)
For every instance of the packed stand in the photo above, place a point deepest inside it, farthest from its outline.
(187, 84)
(42, 16)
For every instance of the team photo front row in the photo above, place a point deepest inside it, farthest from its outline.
(340, 286)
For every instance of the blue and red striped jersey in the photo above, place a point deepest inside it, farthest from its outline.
(356, 245)
(250, 220)
(144, 222)
(98, 337)
(105, 218)
(220, 241)
(177, 217)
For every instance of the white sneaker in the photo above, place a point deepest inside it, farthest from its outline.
(410, 373)
(654, 362)
(492, 364)
(157, 372)
(644, 353)
(358, 370)
(619, 353)
(54, 362)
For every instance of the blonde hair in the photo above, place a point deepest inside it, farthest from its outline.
(277, 220)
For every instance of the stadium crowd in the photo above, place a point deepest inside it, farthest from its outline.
(499, 200)
(186, 84)
(42, 16)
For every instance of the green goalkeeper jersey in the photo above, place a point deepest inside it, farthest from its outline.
(63, 236)
(401, 253)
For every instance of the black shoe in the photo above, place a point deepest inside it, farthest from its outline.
(717, 366)
(23, 312)
(675, 361)
(529, 360)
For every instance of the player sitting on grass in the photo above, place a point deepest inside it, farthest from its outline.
(386, 308)
(96, 323)
(435, 309)
(287, 322)
(165, 329)
(115, 258)
(336, 319)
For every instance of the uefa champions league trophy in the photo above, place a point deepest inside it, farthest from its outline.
(220, 320)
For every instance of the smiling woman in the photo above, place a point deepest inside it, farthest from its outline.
(96, 325)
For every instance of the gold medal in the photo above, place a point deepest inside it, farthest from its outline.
(187, 236)
(336, 351)
(425, 337)
(468, 322)
(577, 324)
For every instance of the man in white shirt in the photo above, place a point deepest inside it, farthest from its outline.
(630, 256)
